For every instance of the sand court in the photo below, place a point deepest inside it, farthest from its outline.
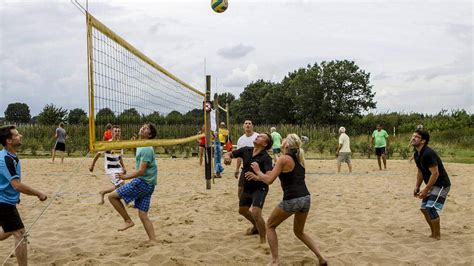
(367, 217)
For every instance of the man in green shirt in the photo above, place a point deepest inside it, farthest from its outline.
(141, 187)
(276, 138)
(380, 137)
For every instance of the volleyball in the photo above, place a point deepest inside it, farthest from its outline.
(219, 6)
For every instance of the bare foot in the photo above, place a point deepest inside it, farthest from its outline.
(101, 198)
(323, 262)
(148, 243)
(128, 224)
(435, 237)
(274, 263)
(91, 169)
(251, 231)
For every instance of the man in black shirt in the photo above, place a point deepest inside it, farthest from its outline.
(254, 192)
(432, 172)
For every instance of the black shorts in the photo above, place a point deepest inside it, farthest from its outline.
(379, 151)
(241, 178)
(10, 219)
(254, 198)
(60, 146)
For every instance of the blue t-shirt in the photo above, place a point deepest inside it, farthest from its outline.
(147, 154)
(9, 169)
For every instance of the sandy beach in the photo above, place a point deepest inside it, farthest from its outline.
(368, 217)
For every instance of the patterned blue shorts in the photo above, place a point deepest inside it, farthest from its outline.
(436, 198)
(138, 191)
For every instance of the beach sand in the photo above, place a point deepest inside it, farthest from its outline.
(368, 217)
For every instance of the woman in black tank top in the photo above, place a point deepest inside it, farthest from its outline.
(296, 197)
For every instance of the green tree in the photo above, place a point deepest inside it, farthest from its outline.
(276, 106)
(174, 118)
(156, 118)
(347, 91)
(77, 116)
(52, 115)
(328, 94)
(224, 99)
(129, 116)
(194, 117)
(104, 116)
(248, 106)
(18, 113)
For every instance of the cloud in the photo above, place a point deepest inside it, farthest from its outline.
(236, 51)
(461, 32)
(241, 78)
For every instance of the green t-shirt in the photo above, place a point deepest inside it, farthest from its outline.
(276, 137)
(380, 138)
(147, 154)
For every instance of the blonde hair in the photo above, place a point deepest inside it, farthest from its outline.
(294, 146)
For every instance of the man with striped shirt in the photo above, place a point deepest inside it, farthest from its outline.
(113, 165)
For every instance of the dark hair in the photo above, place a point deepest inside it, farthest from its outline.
(108, 126)
(152, 130)
(6, 133)
(269, 141)
(424, 135)
(61, 124)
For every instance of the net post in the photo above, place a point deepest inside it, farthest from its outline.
(90, 75)
(227, 115)
(207, 120)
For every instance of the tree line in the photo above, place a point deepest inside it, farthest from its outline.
(329, 94)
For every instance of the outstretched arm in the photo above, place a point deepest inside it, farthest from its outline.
(25, 189)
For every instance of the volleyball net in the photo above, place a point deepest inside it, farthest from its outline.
(127, 89)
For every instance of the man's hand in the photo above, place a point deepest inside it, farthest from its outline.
(122, 176)
(255, 167)
(251, 176)
(416, 191)
(236, 174)
(423, 194)
(42, 197)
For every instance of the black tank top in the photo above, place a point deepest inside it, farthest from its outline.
(292, 183)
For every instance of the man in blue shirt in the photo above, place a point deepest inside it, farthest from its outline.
(10, 189)
(142, 186)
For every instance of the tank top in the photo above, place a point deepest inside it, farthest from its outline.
(293, 183)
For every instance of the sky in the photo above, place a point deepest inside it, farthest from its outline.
(419, 53)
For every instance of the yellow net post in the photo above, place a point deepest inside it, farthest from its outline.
(126, 88)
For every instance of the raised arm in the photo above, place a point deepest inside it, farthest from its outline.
(269, 176)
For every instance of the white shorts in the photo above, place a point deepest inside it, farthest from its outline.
(115, 179)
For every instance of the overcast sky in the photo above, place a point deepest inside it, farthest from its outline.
(419, 53)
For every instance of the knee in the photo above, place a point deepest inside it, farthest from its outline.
(298, 233)
(256, 212)
(432, 212)
(270, 225)
(143, 215)
(112, 196)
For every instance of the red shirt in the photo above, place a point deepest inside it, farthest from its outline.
(108, 135)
